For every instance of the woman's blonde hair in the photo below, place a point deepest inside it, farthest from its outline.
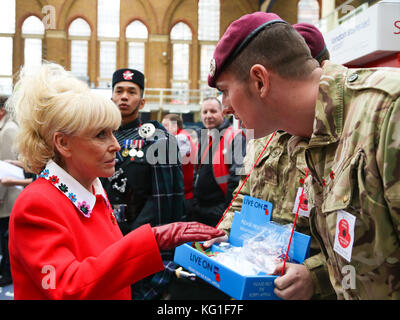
(53, 100)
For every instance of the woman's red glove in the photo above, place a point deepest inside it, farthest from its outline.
(171, 235)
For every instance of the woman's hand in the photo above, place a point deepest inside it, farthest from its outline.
(171, 235)
(209, 243)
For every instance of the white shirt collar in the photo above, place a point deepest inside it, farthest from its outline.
(72, 189)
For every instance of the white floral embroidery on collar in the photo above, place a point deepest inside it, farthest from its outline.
(79, 196)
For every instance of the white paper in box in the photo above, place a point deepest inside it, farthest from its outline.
(254, 215)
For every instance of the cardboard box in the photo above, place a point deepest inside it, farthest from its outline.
(254, 215)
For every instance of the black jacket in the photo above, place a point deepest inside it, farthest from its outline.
(210, 201)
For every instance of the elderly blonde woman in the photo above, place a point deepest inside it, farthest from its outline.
(64, 239)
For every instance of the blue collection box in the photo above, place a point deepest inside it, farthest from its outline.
(254, 216)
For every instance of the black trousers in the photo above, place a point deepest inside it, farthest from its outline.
(209, 215)
(5, 269)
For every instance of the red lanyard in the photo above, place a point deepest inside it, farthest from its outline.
(241, 186)
(244, 181)
(294, 224)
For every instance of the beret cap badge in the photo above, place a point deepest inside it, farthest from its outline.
(212, 67)
(127, 75)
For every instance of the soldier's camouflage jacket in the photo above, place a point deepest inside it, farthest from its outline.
(277, 178)
(354, 161)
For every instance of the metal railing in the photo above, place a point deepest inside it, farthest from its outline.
(176, 100)
(170, 100)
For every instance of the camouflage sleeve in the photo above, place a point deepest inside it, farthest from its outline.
(388, 157)
(318, 269)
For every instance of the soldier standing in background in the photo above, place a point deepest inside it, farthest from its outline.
(147, 186)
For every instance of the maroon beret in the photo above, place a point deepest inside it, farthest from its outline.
(313, 38)
(236, 37)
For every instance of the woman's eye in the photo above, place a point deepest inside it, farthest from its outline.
(101, 134)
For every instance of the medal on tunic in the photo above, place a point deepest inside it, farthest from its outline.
(125, 152)
(140, 153)
(132, 152)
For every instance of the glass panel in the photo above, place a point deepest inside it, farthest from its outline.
(136, 56)
(33, 25)
(79, 58)
(181, 31)
(308, 11)
(33, 52)
(180, 93)
(209, 15)
(79, 27)
(137, 30)
(108, 18)
(6, 45)
(6, 86)
(180, 61)
(207, 52)
(7, 16)
(108, 61)
(207, 91)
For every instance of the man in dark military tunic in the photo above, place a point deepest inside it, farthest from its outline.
(147, 186)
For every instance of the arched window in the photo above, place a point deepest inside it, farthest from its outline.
(209, 15)
(7, 31)
(108, 18)
(136, 35)
(209, 20)
(33, 33)
(79, 36)
(308, 11)
(181, 38)
(108, 35)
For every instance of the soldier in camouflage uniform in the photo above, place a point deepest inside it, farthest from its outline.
(355, 186)
(351, 117)
(278, 178)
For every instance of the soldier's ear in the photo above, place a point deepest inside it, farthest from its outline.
(259, 80)
(142, 102)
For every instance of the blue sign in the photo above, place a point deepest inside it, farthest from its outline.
(248, 222)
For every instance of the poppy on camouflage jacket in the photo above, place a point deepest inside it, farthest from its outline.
(277, 178)
(354, 161)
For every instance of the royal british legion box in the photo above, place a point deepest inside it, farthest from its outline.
(255, 215)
